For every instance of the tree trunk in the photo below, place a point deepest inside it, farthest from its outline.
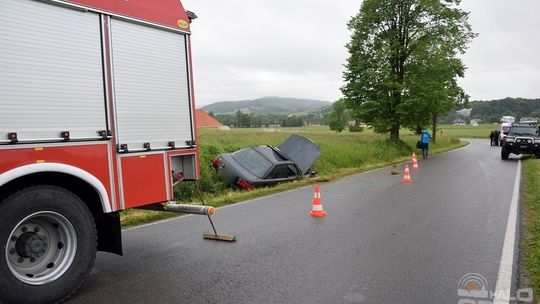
(394, 132)
(434, 126)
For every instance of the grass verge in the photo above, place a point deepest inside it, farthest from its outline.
(530, 216)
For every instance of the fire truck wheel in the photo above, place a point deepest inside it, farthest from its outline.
(48, 242)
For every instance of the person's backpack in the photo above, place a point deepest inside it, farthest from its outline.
(419, 144)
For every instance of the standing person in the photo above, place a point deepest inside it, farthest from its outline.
(496, 137)
(425, 137)
(492, 137)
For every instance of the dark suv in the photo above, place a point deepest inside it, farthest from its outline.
(523, 138)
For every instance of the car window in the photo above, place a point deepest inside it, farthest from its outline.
(270, 154)
(252, 161)
(282, 171)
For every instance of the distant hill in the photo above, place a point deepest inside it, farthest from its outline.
(268, 105)
(490, 111)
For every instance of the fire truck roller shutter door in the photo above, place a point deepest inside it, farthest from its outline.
(151, 86)
(51, 75)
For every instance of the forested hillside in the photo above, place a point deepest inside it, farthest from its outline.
(491, 111)
(268, 105)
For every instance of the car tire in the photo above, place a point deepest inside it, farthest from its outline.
(49, 242)
(504, 153)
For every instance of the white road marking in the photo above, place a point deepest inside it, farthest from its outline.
(504, 278)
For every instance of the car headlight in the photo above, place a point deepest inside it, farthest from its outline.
(509, 139)
(537, 141)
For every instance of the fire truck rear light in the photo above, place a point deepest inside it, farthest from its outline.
(147, 146)
(64, 135)
(124, 147)
(13, 137)
(171, 144)
(190, 143)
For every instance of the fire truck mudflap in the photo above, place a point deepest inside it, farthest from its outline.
(96, 116)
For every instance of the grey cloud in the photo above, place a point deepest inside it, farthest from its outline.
(249, 49)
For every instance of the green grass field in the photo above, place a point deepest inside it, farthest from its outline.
(468, 131)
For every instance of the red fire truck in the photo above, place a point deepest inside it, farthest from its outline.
(96, 115)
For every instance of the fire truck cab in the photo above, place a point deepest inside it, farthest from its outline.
(96, 116)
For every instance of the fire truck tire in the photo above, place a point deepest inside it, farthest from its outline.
(48, 245)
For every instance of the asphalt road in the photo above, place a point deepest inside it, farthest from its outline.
(382, 242)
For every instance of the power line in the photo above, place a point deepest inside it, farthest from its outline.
(503, 69)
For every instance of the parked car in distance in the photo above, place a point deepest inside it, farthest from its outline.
(505, 127)
(259, 166)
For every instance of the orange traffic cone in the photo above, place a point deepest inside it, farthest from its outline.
(317, 209)
(413, 155)
(407, 176)
(415, 164)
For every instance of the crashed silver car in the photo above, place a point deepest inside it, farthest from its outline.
(267, 165)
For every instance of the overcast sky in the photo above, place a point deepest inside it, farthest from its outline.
(246, 49)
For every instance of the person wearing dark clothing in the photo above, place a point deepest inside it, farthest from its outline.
(496, 137)
(492, 138)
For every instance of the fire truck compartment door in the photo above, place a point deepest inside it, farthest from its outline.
(144, 180)
(51, 72)
(150, 86)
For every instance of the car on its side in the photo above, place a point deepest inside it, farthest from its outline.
(522, 138)
(259, 166)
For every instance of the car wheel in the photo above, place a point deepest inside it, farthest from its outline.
(504, 153)
(48, 240)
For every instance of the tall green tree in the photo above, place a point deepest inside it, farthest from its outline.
(338, 118)
(395, 45)
(243, 120)
(434, 89)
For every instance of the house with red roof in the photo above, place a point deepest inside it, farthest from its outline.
(204, 120)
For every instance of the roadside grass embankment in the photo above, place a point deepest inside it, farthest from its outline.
(530, 225)
(468, 131)
(342, 154)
